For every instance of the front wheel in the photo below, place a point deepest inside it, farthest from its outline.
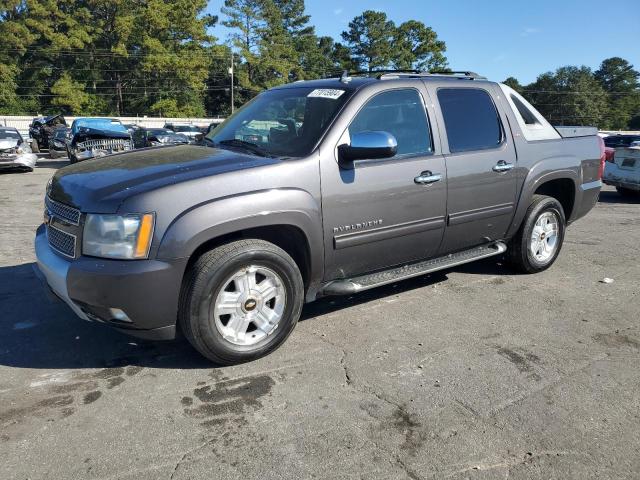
(539, 240)
(35, 148)
(240, 301)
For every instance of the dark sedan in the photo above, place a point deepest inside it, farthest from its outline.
(154, 137)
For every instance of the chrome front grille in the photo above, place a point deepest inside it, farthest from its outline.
(62, 242)
(65, 212)
(111, 144)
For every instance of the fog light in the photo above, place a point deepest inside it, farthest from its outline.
(117, 314)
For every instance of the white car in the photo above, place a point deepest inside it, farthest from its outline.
(192, 132)
(624, 171)
(15, 153)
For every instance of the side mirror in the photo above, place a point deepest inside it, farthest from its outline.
(368, 146)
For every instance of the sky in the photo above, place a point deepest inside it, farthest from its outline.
(499, 38)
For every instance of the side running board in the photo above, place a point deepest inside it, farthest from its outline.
(349, 286)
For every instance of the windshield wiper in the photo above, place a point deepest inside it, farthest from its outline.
(248, 146)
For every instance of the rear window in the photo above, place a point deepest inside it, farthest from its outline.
(527, 116)
(470, 118)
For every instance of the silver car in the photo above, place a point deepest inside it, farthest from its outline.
(15, 153)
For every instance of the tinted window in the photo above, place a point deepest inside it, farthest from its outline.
(525, 113)
(470, 118)
(400, 113)
(283, 121)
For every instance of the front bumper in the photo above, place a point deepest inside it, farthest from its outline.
(621, 177)
(138, 297)
(24, 160)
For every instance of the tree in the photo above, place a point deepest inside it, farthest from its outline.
(570, 96)
(416, 46)
(69, 95)
(514, 83)
(244, 18)
(619, 79)
(370, 40)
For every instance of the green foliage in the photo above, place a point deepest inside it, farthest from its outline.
(608, 98)
(376, 42)
(370, 39)
(514, 83)
(570, 96)
(417, 46)
(618, 78)
(119, 57)
(69, 95)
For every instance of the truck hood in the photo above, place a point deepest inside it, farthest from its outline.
(100, 185)
(86, 133)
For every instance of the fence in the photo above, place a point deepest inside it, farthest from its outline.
(21, 123)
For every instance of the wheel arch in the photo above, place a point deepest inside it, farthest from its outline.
(289, 219)
(560, 184)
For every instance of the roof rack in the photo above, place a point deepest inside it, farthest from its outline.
(382, 74)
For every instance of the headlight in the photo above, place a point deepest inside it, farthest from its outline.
(118, 236)
(84, 154)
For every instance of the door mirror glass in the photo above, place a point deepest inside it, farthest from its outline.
(369, 145)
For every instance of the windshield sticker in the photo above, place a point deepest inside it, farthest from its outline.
(326, 93)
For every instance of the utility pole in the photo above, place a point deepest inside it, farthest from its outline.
(231, 73)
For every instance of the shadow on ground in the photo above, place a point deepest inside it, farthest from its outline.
(611, 196)
(37, 330)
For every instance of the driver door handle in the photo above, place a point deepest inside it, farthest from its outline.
(503, 166)
(426, 178)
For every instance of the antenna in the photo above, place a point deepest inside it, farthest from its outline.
(345, 78)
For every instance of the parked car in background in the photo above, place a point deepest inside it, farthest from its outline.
(622, 170)
(191, 131)
(131, 127)
(15, 154)
(42, 128)
(153, 137)
(97, 137)
(361, 182)
(58, 142)
(620, 141)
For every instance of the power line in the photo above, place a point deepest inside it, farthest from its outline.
(37, 95)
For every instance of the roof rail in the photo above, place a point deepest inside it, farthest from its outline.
(382, 74)
(459, 73)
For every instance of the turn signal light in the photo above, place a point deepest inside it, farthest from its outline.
(144, 236)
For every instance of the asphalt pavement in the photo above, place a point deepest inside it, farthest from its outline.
(474, 372)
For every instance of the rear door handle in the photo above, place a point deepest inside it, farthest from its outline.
(425, 178)
(503, 166)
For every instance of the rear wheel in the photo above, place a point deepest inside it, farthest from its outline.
(241, 301)
(539, 240)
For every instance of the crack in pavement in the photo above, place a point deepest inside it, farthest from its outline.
(402, 417)
(510, 462)
(187, 454)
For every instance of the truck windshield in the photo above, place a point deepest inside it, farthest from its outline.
(286, 122)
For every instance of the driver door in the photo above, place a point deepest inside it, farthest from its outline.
(376, 213)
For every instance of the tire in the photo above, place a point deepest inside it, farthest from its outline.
(220, 273)
(35, 148)
(520, 252)
(627, 192)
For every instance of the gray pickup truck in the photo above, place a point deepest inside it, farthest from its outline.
(325, 187)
